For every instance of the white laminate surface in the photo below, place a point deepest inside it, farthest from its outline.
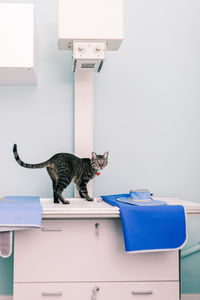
(80, 208)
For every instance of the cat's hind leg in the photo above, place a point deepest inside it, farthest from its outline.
(55, 196)
(63, 182)
(53, 176)
(61, 198)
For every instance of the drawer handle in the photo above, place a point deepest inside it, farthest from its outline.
(96, 290)
(97, 227)
(94, 293)
(51, 229)
(52, 294)
(142, 292)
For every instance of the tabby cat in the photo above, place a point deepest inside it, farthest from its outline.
(63, 168)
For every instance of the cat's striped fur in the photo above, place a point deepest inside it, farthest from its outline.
(63, 168)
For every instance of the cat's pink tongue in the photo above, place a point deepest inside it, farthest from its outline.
(98, 173)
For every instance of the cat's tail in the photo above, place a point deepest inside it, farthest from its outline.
(25, 165)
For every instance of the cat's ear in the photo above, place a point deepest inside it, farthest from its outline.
(105, 156)
(94, 155)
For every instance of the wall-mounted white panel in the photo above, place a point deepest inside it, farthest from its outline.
(90, 20)
(18, 39)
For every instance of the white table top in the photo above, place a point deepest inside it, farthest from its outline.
(80, 208)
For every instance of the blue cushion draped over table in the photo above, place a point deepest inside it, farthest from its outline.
(151, 228)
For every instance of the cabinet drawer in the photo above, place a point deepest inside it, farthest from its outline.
(86, 250)
(97, 291)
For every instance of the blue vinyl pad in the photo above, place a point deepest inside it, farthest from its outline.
(150, 228)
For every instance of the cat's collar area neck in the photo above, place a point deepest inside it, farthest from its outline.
(96, 171)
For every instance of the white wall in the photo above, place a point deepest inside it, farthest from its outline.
(38, 118)
(146, 107)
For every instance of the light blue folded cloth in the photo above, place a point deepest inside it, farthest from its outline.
(17, 213)
(140, 198)
(20, 211)
(149, 228)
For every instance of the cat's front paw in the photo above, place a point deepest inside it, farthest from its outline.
(89, 199)
(66, 202)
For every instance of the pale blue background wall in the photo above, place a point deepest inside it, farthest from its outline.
(146, 112)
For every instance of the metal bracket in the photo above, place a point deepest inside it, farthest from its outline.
(88, 56)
